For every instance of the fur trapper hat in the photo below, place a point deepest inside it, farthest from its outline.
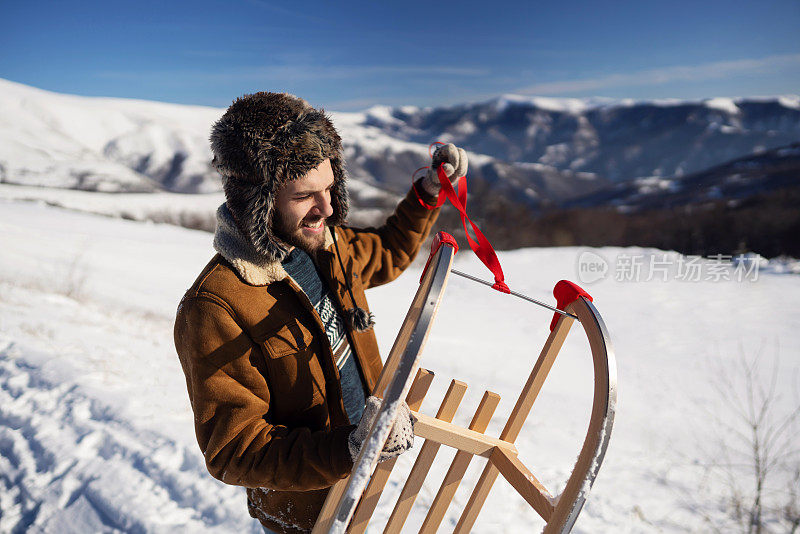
(263, 141)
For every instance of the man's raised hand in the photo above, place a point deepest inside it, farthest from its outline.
(455, 166)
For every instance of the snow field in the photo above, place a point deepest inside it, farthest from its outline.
(69, 464)
(96, 430)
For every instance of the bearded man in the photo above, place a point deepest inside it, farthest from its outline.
(275, 336)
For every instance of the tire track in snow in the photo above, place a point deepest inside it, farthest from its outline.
(68, 463)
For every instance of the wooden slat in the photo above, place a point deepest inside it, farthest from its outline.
(371, 496)
(515, 421)
(515, 472)
(422, 382)
(447, 410)
(458, 437)
(476, 500)
(459, 466)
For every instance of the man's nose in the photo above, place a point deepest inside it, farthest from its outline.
(323, 205)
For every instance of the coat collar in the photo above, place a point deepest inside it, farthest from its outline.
(241, 254)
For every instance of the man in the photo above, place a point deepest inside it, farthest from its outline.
(275, 336)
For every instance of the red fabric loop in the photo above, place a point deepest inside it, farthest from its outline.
(482, 248)
(430, 148)
(441, 238)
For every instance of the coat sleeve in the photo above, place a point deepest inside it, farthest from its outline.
(231, 404)
(381, 254)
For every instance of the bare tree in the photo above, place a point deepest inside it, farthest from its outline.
(758, 458)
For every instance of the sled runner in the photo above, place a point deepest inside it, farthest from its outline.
(393, 386)
(352, 501)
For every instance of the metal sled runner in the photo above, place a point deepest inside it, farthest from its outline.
(352, 501)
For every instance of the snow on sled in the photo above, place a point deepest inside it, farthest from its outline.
(351, 502)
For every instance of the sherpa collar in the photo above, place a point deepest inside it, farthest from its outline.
(241, 254)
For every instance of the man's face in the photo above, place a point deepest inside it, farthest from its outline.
(302, 206)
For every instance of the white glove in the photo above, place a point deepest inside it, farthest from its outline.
(455, 166)
(401, 437)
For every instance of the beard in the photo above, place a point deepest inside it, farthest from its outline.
(292, 233)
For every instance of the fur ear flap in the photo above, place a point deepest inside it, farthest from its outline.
(340, 201)
(252, 208)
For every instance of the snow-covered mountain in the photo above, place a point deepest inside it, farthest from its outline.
(119, 145)
(741, 178)
(618, 140)
(531, 152)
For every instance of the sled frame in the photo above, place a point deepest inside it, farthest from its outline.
(559, 513)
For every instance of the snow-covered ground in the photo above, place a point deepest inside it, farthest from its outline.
(96, 430)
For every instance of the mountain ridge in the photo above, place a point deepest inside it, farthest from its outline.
(535, 152)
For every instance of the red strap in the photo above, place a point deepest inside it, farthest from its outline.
(482, 248)
(441, 238)
(566, 293)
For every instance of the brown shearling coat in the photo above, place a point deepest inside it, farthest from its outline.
(262, 382)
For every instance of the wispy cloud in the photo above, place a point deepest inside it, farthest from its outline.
(664, 75)
(294, 73)
(345, 72)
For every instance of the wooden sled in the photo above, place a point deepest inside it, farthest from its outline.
(351, 502)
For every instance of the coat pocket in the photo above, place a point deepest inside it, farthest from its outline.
(290, 338)
(295, 376)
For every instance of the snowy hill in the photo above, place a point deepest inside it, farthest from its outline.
(103, 144)
(96, 430)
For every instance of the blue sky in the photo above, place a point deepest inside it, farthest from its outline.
(350, 55)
